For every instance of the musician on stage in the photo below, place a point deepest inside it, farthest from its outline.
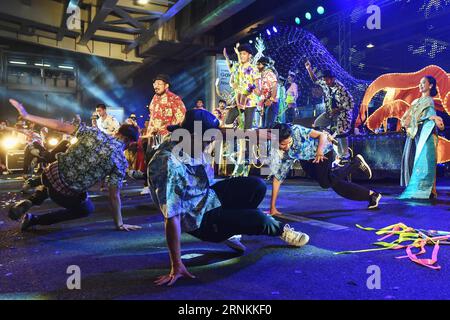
(269, 89)
(165, 109)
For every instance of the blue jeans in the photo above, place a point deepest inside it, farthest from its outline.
(249, 114)
(290, 114)
(239, 213)
(75, 207)
(270, 115)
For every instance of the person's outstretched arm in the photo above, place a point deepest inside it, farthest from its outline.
(173, 238)
(116, 206)
(45, 122)
(310, 71)
(276, 184)
(323, 141)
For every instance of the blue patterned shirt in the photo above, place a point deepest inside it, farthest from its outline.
(304, 147)
(94, 157)
(181, 186)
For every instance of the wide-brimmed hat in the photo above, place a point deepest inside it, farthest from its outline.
(162, 77)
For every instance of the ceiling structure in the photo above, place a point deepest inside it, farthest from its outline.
(148, 32)
(128, 30)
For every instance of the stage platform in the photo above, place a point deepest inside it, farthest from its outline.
(123, 265)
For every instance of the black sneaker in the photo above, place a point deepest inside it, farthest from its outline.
(19, 209)
(363, 166)
(374, 200)
(27, 222)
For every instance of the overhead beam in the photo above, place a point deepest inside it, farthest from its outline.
(149, 33)
(128, 18)
(123, 29)
(100, 16)
(140, 19)
(141, 11)
(25, 26)
(98, 48)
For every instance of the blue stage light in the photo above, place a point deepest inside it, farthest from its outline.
(275, 29)
(320, 10)
(297, 20)
(268, 32)
(308, 16)
(250, 41)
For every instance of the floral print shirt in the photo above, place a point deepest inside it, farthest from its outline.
(338, 97)
(244, 80)
(94, 157)
(304, 147)
(181, 185)
(268, 82)
(166, 110)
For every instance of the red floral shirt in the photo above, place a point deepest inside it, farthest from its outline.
(268, 82)
(166, 110)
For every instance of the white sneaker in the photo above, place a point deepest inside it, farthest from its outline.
(294, 238)
(146, 190)
(235, 243)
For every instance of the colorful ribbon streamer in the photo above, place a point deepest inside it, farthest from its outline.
(409, 239)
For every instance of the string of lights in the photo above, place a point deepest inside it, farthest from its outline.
(291, 46)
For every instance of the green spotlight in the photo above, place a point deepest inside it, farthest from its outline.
(320, 10)
(297, 20)
(308, 16)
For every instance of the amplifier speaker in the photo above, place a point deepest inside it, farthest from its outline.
(14, 160)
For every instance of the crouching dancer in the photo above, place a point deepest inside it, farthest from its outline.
(181, 184)
(315, 152)
(94, 157)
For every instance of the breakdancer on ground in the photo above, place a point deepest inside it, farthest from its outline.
(94, 157)
(181, 184)
(315, 153)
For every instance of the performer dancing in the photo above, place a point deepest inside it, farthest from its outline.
(166, 108)
(182, 186)
(339, 110)
(314, 151)
(291, 98)
(419, 155)
(94, 157)
(34, 149)
(269, 88)
(245, 81)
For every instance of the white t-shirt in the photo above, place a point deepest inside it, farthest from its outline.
(109, 125)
